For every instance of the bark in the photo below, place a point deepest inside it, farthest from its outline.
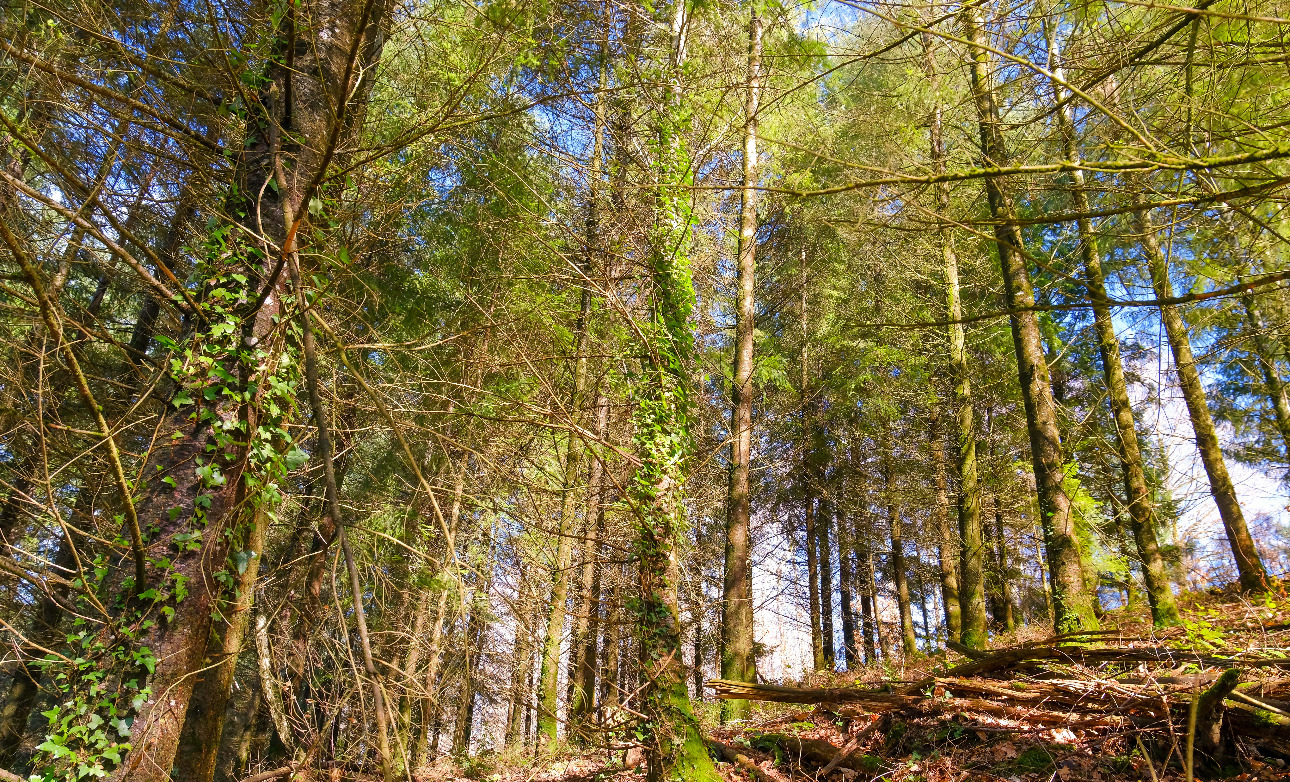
(909, 642)
(1249, 566)
(582, 676)
(430, 705)
(325, 453)
(813, 584)
(314, 114)
(476, 635)
(738, 663)
(823, 521)
(970, 626)
(521, 668)
(199, 742)
(549, 682)
(673, 739)
(883, 641)
(945, 538)
(1007, 589)
(1073, 607)
(846, 578)
(1142, 521)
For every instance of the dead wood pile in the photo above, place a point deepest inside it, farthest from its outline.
(1183, 704)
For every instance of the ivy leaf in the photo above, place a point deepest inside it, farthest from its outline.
(295, 458)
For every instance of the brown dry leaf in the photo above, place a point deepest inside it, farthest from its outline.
(1005, 751)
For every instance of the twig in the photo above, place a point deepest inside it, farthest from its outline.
(1146, 756)
(1188, 756)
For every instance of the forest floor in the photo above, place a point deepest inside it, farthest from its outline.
(1106, 716)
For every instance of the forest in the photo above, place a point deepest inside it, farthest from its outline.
(675, 390)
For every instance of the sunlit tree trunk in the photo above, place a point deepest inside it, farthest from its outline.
(582, 678)
(1249, 565)
(846, 576)
(969, 625)
(737, 660)
(1142, 522)
(899, 577)
(946, 549)
(824, 547)
(675, 747)
(1072, 605)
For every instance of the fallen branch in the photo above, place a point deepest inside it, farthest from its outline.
(732, 753)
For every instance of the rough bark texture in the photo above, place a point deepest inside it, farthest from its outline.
(823, 521)
(946, 539)
(1164, 610)
(1072, 606)
(900, 579)
(846, 577)
(970, 625)
(582, 679)
(737, 660)
(204, 724)
(1249, 566)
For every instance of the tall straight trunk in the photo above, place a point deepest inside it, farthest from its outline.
(909, 642)
(970, 625)
(823, 521)
(948, 562)
(884, 642)
(846, 577)
(1072, 605)
(1249, 566)
(813, 584)
(738, 663)
(611, 668)
(1142, 522)
(673, 739)
(476, 634)
(548, 687)
(866, 625)
(1007, 589)
(582, 676)
(521, 664)
(579, 692)
(430, 701)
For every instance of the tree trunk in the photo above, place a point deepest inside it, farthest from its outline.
(813, 581)
(1072, 605)
(738, 663)
(823, 521)
(548, 725)
(582, 678)
(1007, 589)
(1142, 522)
(846, 577)
(909, 642)
(969, 626)
(675, 748)
(945, 538)
(180, 643)
(1249, 566)
(199, 742)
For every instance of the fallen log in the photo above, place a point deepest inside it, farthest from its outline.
(732, 754)
(816, 752)
(732, 690)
